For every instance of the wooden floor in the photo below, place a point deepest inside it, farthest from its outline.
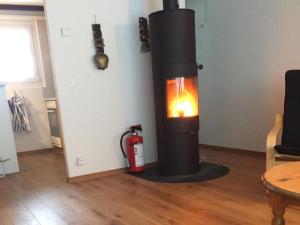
(40, 195)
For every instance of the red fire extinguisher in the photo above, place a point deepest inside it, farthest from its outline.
(134, 155)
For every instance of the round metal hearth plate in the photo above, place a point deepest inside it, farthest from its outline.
(207, 171)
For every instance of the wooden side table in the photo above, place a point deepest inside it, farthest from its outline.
(283, 189)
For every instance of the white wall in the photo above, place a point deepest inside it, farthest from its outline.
(101, 104)
(49, 89)
(246, 48)
(7, 146)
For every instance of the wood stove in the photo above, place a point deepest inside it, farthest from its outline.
(175, 74)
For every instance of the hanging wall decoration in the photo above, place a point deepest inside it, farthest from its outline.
(100, 59)
(144, 34)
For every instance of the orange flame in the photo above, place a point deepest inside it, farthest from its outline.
(182, 97)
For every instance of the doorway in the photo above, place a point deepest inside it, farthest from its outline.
(26, 69)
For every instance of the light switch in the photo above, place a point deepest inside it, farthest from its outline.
(65, 32)
(70, 82)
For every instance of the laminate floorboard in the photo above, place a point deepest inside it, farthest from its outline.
(40, 195)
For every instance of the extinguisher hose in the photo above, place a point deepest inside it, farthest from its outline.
(121, 143)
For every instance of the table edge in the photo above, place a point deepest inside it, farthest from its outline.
(278, 190)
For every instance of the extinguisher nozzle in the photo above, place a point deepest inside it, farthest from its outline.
(136, 127)
(121, 143)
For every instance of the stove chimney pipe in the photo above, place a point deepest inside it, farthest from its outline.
(170, 4)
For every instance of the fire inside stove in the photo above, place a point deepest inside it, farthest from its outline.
(182, 97)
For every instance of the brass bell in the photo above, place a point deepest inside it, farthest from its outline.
(101, 60)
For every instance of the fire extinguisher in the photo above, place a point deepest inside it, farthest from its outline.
(134, 155)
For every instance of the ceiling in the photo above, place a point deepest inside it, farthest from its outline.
(22, 2)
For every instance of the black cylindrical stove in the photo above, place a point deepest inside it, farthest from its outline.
(175, 74)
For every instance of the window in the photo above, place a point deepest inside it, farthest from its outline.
(20, 60)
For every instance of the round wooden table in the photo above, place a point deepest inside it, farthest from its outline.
(283, 189)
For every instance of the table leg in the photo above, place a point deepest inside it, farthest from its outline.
(278, 205)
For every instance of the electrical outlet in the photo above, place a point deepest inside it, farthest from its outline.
(79, 161)
(2, 173)
(65, 31)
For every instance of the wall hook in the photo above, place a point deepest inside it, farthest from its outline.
(95, 18)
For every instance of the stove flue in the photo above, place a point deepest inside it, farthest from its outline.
(170, 4)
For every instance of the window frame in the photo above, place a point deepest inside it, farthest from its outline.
(29, 23)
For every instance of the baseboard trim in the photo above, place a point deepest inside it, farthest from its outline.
(233, 150)
(93, 176)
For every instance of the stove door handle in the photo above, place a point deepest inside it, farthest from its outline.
(200, 67)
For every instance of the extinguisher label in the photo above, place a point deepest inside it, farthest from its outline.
(139, 155)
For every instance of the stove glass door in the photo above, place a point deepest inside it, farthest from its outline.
(182, 97)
